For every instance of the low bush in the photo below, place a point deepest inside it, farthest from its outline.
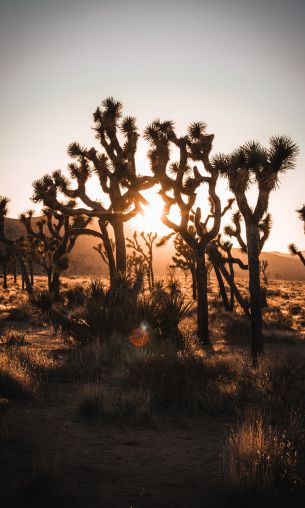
(260, 463)
(74, 296)
(17, 381)
(236, 329)
(123, 404)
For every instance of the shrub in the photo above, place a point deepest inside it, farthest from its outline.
(75, 296)
(124, 404)
(42, 300)
(236, 329)
(16, 379)
(260, 463)
(183, 382)
(122, 308)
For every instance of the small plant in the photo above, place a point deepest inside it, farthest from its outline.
(17, 381)
(260, 462)
(236, 329)
(75, 296)
(124, 404)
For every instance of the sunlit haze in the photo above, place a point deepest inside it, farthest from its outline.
(237, 65)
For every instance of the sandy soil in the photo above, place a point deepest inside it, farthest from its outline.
(170, 463)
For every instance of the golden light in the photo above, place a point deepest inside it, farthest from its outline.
(151, 220)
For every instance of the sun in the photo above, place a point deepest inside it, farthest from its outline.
(151, 220)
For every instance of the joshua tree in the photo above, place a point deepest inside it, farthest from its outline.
(13, 244)
(184, 258)
(301, 213)
(293, 249)
(263, 268)
(116, 171)
(219, 263)
(53, 239)
(146, 257)
(248, 165)
(229, 275)
(100, 249)
(5, 257)
(179, 184)
(28, 248)
(264, 226)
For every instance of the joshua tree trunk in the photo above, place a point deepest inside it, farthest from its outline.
(31, 271)
(149, 279)
(202, 299)
(299, 253)
(55, 284)
(4, 275)
(222, 288)
(109, 251)
(232, 283)
(49, 275)
(25, 278)
(217, 260)
(120, 246)
(194, 284)
(255, 291)
(152, 277)
(15, 272)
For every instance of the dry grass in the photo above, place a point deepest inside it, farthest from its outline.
(16, 378)
(264, 455)
(21, 368)
(259, 455)
(128, 405)
(173, 383)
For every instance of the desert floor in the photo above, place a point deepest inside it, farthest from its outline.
(51, 455)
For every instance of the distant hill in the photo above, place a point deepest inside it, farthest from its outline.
(281, 266)
(85, 260)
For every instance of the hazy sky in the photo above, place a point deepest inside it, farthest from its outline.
(236, 64)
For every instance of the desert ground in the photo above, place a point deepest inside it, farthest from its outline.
(111, 424)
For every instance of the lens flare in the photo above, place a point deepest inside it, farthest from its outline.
(139, 337)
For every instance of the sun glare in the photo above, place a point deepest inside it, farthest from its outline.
(151, 220)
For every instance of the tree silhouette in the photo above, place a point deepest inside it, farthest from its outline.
(179, 183)
(13, 244)
(146, 257)
(100, 249)
(293, 249)
(28, 248)
(226, 248)
(252, 164)
(5, 258)
(184, 258)
(234, 231)
(119, 183)
(53, 239)
(219, 264)
(301, 213)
